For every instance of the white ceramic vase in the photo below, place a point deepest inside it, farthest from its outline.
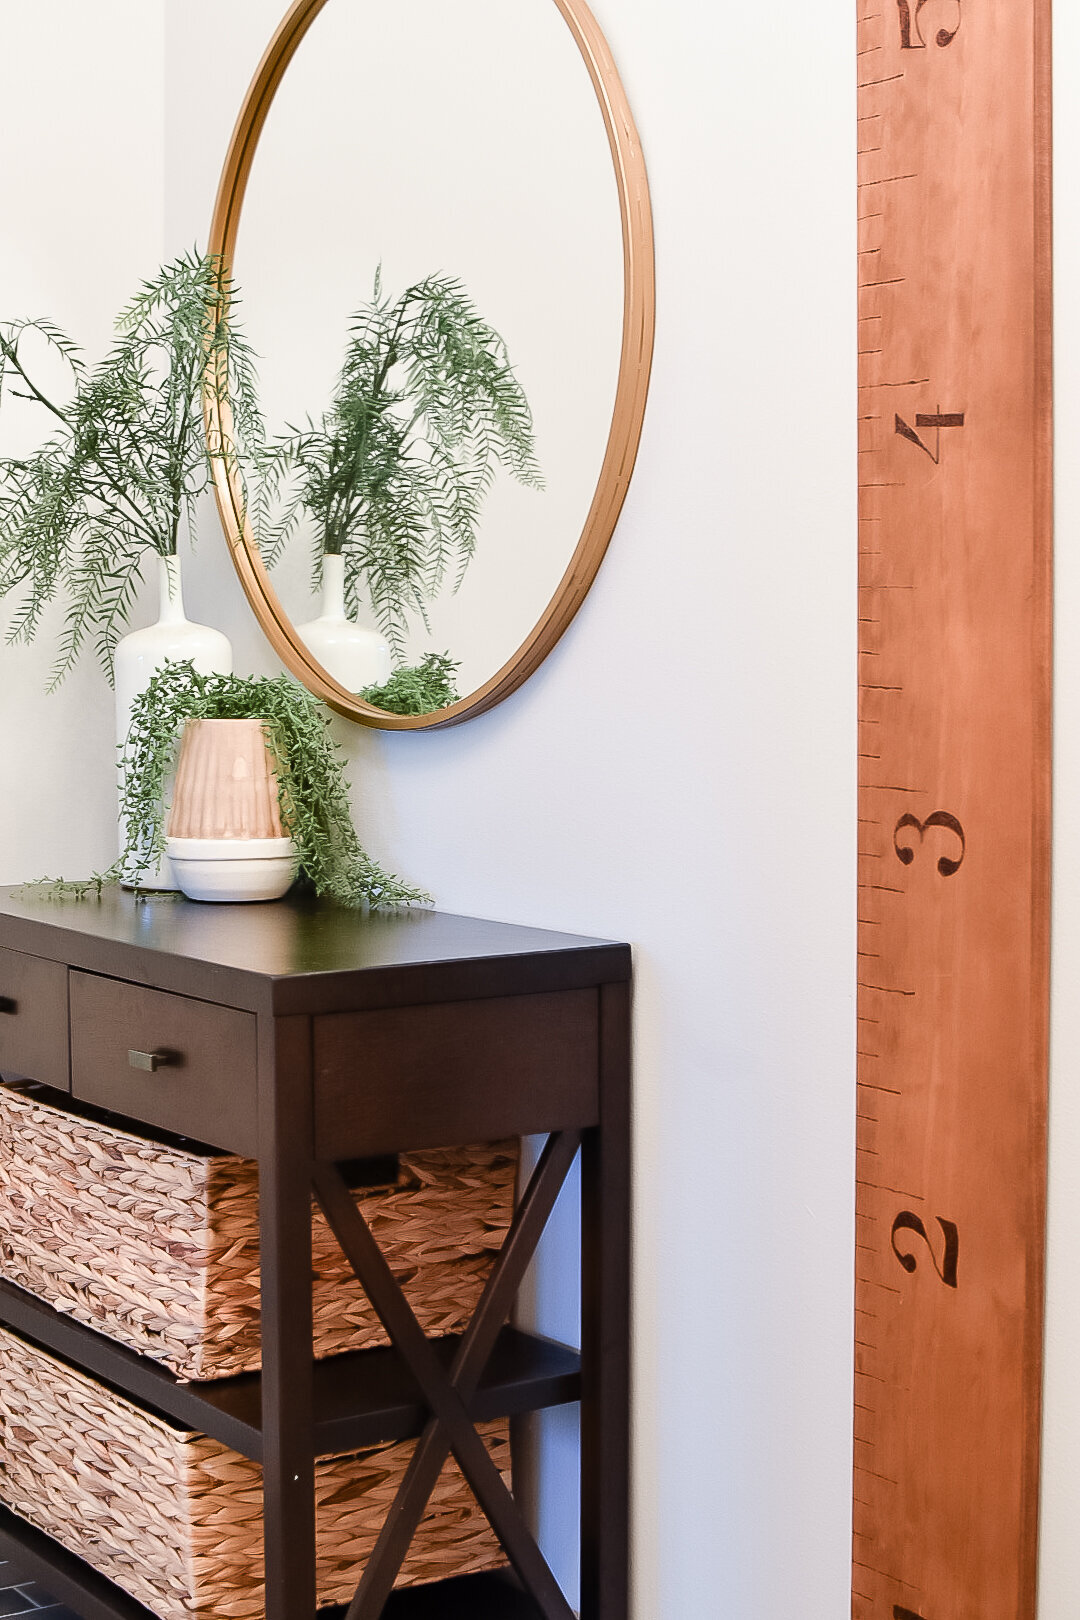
(355, 657)
(139, 655)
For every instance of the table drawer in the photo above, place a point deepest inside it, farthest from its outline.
(34, 1018)
(171, 1061)
(464, 1071)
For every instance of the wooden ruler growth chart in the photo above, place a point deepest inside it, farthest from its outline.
(954, 621)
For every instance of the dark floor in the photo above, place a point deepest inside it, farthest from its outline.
(27, 1598)
(471, 1598)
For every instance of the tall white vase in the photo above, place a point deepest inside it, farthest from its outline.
(141, 654)
(353, 656)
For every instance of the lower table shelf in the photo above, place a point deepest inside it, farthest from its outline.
(37, 1557)
(362, 1398)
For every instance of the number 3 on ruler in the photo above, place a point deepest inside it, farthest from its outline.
(910, 34)
(947, 865)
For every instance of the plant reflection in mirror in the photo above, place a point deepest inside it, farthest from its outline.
(395, 472)
(127, 458)
(313, 794)
(417, 689)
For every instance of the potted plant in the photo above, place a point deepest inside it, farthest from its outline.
(121, 471)
(394, 473)
(312, 793)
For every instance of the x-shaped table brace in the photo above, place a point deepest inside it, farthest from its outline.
(449, 1428)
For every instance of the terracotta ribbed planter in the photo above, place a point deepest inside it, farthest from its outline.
(225, 783)
(225, 837)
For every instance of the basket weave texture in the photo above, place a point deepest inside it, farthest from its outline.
(157, 1245)
(175, 1518)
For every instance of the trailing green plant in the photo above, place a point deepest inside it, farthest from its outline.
(394, 473)
(418, 688)
(312, 791)
(127, 458)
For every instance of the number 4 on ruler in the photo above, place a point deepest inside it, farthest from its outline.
(932, 419)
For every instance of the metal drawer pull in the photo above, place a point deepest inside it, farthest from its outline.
(151, 1061)
(8, 1004)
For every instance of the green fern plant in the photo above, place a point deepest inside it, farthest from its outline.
(127, 457)
(417, 689)
(313, 794)
(394, 473)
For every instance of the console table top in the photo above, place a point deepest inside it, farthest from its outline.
(299, 954)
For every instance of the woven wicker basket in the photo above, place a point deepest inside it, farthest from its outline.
(176, 1518)
(156, 1243)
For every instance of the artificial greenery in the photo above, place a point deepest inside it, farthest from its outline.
(312, 792)
(394, 473)
(418, 688)
(127, 457)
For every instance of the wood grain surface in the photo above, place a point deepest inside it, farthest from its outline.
(955, 548)
(34, 1018)
(205, 1087)
(300, 954)
(512, 1066)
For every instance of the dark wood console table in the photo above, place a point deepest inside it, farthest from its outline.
(304, 1036)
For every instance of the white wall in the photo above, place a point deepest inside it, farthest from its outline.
(81, 131)
(1059, 1592)
(681, 773)
(709, 818)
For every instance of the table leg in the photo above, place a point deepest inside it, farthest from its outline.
(285, 1170)
(605, 1325)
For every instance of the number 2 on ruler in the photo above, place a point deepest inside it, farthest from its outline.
(910, 34)
(908, 1221)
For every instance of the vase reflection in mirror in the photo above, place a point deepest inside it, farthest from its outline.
(355, 657)
(139, 655)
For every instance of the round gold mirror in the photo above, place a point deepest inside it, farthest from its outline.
(439, 223)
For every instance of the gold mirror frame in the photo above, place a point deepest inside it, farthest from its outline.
(639, 301)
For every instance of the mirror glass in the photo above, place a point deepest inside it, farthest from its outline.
(457, 147)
